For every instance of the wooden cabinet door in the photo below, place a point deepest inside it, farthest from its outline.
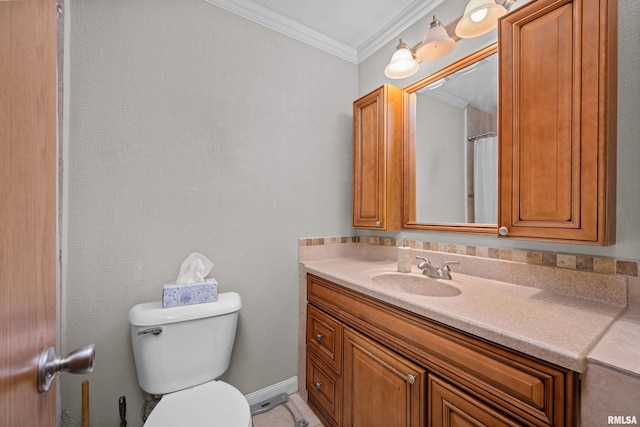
(449, 407)
(377, 159)
(380, 388)
(557, 121)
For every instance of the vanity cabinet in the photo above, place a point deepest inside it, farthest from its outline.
(397, 368)
(377, 159)
(557, 121)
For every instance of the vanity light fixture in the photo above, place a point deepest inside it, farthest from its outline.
(436, 43)
(480, 17)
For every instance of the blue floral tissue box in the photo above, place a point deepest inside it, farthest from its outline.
(177, 294)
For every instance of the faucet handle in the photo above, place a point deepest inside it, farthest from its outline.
(424, 263)
(445, 271)
(448, 263)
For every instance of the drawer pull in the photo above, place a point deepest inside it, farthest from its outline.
(318, 384)
(411, 379)
(318, 337)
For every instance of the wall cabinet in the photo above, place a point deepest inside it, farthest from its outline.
(370, 364)
(377, 159)
(557, 121)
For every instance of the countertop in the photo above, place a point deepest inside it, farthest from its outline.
(557, 328)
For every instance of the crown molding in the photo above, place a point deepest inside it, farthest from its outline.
(412, 14)
(277, 22)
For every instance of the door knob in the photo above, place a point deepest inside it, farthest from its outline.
(80, 361)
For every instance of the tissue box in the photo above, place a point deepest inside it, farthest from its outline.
(176, 294)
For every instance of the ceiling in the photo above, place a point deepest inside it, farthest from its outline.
(349, 29)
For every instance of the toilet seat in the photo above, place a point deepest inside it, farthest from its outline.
(214, 403)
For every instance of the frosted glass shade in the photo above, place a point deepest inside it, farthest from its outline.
(436, 43)
(480, 17)
(402, 64)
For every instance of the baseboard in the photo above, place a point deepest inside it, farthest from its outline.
(287, 386)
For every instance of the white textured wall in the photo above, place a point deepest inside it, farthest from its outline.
(192, 129)
(370, 76)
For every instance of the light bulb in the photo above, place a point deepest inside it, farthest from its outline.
(479, 15)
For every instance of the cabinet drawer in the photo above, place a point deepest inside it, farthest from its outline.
(324, 387)
(324, 337)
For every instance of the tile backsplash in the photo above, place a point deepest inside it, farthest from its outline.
(586, 263)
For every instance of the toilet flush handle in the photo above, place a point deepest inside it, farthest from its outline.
(154, 331)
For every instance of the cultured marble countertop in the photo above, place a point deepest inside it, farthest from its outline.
(556, 328)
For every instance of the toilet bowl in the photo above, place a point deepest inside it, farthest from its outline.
(179, 352)
(211, 404)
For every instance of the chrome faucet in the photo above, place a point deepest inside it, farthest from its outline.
(427, 268)
(436, 272)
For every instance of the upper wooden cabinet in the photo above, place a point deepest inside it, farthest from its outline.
(557, 121)
(377, 159)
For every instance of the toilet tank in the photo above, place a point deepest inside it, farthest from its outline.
(181, 347)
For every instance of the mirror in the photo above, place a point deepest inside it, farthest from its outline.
(451, 147)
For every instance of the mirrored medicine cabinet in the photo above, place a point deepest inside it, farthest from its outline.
(535, 160)
(451, 147)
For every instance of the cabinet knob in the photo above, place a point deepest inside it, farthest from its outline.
(411, 379)
(503, 231)
(318, 384)
(377, 223)
(318, 337)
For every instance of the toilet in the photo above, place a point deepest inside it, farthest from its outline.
(179, 352)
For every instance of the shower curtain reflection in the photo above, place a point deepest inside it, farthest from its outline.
(485, 179)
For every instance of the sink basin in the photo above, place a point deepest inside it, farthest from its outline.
(416, 284)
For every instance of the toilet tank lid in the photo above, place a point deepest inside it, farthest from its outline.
(152, 313)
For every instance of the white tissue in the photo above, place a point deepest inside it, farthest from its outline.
(194, 269)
